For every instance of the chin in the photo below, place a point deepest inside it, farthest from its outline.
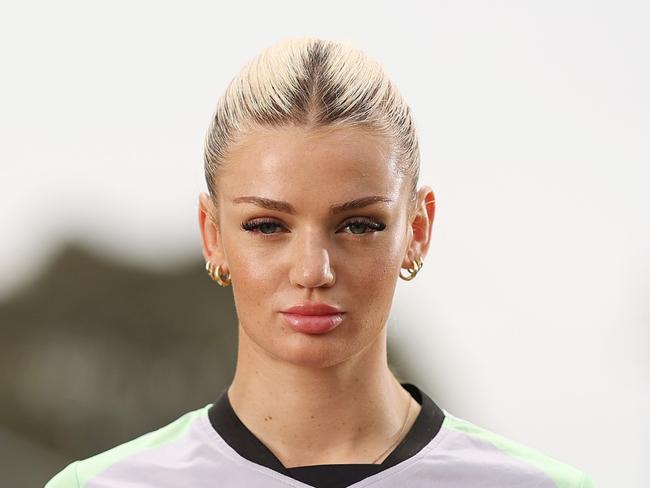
(311, 351)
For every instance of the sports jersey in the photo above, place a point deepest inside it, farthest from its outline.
(210, 447)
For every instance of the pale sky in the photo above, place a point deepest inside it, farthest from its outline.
(534, 123)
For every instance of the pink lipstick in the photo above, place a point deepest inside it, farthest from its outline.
(313, 318)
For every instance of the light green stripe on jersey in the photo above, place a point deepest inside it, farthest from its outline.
(77, 474)
(563, 475)
(66, 478)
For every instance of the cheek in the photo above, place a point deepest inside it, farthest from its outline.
(374, 268)
(254, 280)
(255, 269)
(251, 262)
(254, 274)
(374, 274)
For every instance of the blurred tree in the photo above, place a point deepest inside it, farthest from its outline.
(96, 352)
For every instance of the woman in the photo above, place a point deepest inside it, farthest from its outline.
(313, 213)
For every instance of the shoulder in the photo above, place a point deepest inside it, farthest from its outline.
(78, 473)
(506, 457)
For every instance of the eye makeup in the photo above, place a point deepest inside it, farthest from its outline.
(262, 225)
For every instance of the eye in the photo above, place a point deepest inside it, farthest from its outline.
(261, 226)
(268, 227)
(360, 226)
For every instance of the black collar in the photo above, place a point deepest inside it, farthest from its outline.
(236, 434)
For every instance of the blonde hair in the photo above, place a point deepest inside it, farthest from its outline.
(312, 83)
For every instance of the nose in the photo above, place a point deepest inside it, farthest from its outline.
(311, 266)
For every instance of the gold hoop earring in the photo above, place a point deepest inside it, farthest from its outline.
(219, 277)
(413, 270)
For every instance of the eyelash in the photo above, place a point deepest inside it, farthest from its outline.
(254, 226)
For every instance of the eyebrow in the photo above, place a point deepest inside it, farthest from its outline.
(334, 209)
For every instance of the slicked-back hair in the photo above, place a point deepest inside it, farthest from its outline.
(316, 84)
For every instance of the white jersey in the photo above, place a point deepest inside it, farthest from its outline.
(211, 448)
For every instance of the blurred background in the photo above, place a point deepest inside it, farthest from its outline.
(530, 318)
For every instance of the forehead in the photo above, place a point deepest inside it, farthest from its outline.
(295, 162)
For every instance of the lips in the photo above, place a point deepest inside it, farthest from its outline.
(313, 309)
(313, 318)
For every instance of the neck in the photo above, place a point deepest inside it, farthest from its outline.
(342, 414)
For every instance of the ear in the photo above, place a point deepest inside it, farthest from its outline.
(210, 236)
(420, 226)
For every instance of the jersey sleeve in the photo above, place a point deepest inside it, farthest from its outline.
(587, 481)
(66, 478)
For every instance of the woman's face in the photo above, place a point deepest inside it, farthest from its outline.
(290, 233)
